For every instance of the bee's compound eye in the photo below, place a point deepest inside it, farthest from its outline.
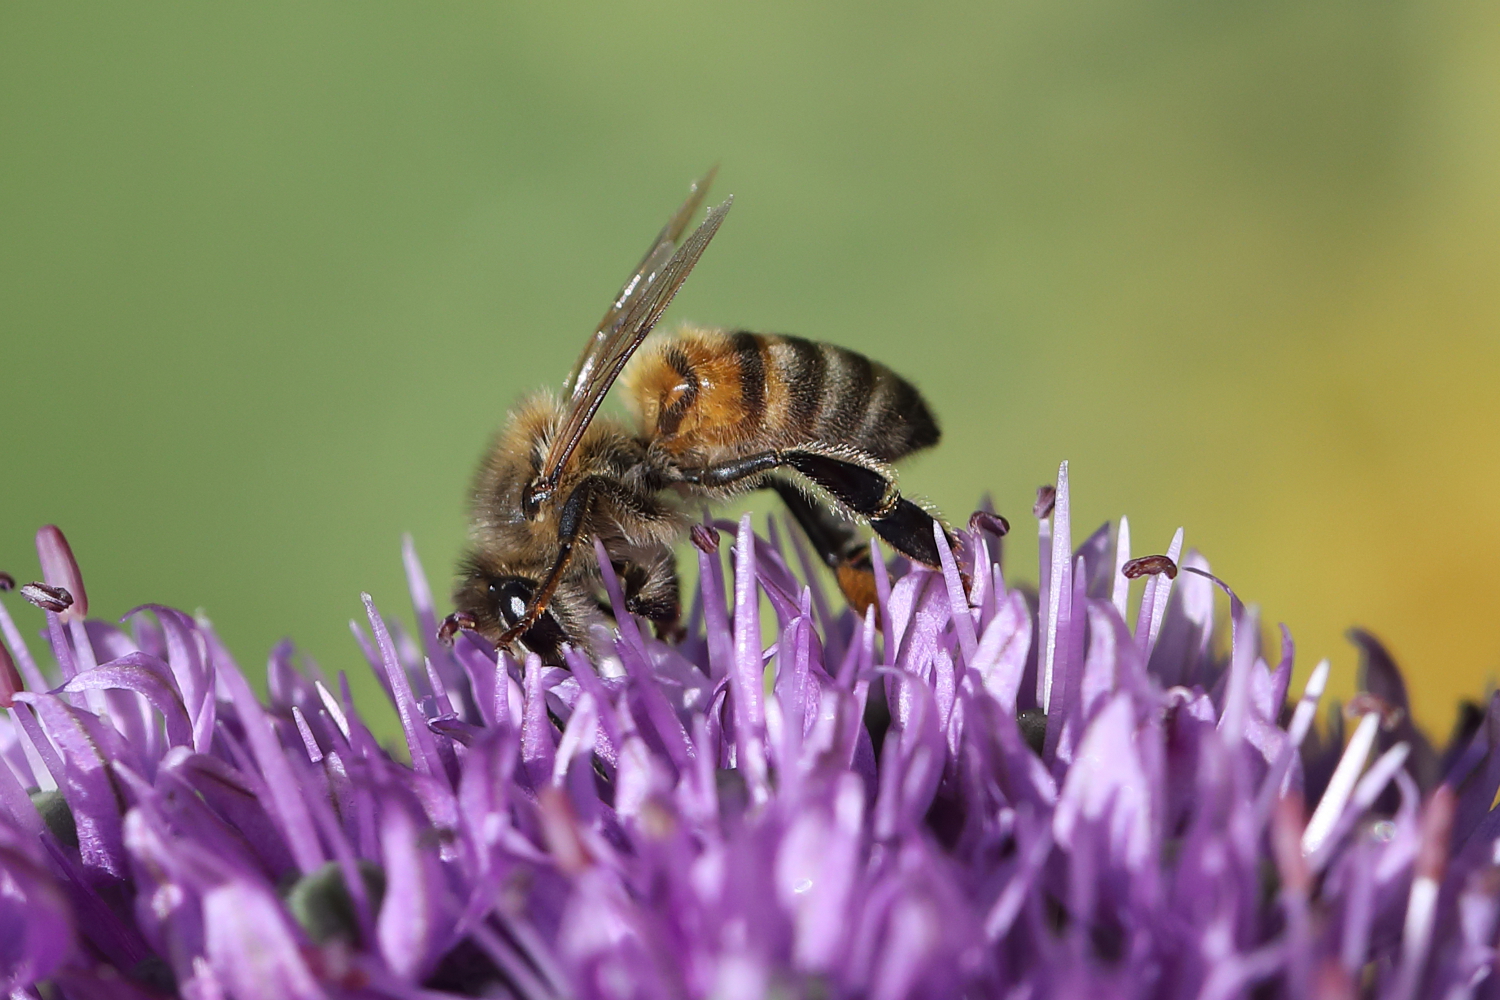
(511, 596)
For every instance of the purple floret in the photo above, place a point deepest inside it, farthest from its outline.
(975, 790)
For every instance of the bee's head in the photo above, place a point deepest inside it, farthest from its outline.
(499, 601)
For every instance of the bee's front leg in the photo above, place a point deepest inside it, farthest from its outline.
(570, 521)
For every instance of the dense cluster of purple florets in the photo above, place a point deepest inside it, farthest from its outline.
(791, 802)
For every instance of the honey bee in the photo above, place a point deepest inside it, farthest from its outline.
(714, 414)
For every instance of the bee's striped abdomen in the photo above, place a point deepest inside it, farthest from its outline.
(836, 396)
(713, 393)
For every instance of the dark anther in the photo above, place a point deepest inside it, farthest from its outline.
(54, 599)
(1046, 496)
(448, 631)
(1149, 566)
(7, 582)
(1363, 703)
(706, 538)
(983, 520)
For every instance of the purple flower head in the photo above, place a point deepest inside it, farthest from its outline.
(975, 790)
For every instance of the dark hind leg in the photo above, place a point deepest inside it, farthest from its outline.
(871, 492)
(864, 489)
(836, 543)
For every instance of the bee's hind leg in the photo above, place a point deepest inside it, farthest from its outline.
(870, 491)
(861, 485)
(836, 543)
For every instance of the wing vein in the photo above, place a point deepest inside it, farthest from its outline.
(637, 311)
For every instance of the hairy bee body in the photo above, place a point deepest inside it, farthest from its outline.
(699, 398)
(712, 395)
(509, 552)
(714, 414)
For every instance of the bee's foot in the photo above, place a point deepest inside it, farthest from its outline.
(509, 638)
(452, 625)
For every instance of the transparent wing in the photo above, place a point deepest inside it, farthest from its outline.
(625, 335)
(644, 276)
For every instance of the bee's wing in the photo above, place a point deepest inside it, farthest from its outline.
(622, 339)
(641, 279)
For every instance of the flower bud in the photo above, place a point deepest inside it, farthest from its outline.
(60, 569)
(10, 678)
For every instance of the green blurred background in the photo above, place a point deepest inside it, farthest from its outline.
(270, 276)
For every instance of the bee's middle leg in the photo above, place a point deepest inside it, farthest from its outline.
(651, 591)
